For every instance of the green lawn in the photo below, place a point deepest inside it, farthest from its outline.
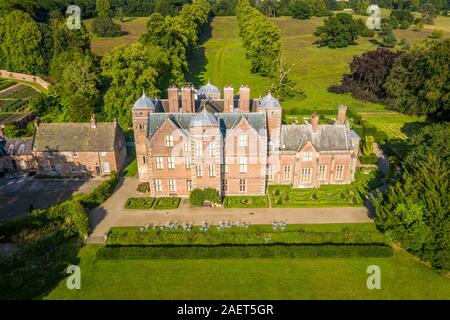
(246, 202)
(320, 278)
(283, 196)
(131, 169)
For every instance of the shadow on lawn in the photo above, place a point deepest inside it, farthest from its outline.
(197, 58)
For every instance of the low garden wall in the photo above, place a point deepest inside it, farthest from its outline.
(25, 77)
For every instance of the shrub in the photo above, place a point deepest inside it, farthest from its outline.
(243, 251)
(371, 159)
(139, 203)
(143, 187)
(196, 197)
(437, 34)
(101, 193)
(167, 203)
(212, 195)
(105, 27)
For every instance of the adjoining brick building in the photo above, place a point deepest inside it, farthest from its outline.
(235, 144)
(68, 149)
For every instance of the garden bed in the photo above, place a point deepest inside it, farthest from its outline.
(167, 203)
(351, 195)
(139, 203)
(246, 202)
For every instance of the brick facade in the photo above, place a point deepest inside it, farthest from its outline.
(236, 145)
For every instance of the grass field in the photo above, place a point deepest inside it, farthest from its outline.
(278, 278)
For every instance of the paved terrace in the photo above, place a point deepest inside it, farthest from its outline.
(113, 214)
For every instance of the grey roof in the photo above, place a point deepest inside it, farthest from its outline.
(327, 137)
(145, 102)
(204, 118)
(226, 120)
(269, 101)
(208, 89)
(18, 147)
(75, 137)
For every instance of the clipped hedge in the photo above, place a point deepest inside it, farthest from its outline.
(101, 193)
(167, 203)
(244, 251)
(139, 203)
(372, 159)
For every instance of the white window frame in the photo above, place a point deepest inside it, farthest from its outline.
(287, 170)
(187, 162)
(22, 164)
(170, 163)
(172, 185)
(307, 156)
(243, 164)
(199, 171)
(198, 149)
(270, 170)
(189, 185)
(306, 176)
(158, 185)
(339, 172)
(103, 154)
(187, 146)
(159, 163)
(211, 149)
(212, 170)
(83, 168)
(169, 141)
(106, 167)
(322, 172)
(242, 185)
(243, 140)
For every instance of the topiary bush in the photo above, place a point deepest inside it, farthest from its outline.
(143, 187)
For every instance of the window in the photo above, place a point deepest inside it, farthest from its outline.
(158, 187)
(74, 154)
(187, 146)
(211, 149)
(322, 172)
(53, 169)
(50, 154)
(83, 168)
(307, 156)
(242, 164)
(225, 185)
(270, 170)
(212, 170)
(198, 149)
(287, 173)
(243, 140)
(242, 185)
(187, 162)
(141, 127)
(103, 154)
(306, 175)
(73, 169)
(105, 167)
(144, 159)
(159, 163)
(188, 185)
(172, 185)
(169, 141)
(198, 171)
(339, 172)
(225, 168)
(170, 163)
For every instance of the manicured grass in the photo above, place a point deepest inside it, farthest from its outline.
(255, 235)
(277, 278)
(327, 195)
(131, 169)
(167, 203)
(139, 203)
(246, 202)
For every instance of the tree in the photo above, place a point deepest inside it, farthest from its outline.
(418, 83)
(103, 8)
(428, 13)
(103, 25)
(319, 8)
(414, 211)
(283, 87)
(387, 35)
(301, 10)
(132, 69)
(361, 6)
(20, 44)
(77, 80)
(338, 31)
(367, 146)
(403, 17)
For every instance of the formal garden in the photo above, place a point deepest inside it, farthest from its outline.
(352, 195)
(246, 202)
(144, 203)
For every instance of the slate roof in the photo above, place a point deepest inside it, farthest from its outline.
(226, 121)
(18, 147)
(212, 105)
(327, 137)
(269, 101)
(208, 89)
(145, 102)
(78, 137)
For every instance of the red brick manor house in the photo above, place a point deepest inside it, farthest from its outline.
(236, 144)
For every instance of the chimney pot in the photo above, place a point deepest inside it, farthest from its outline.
(93, 121)
(342, 114)
(315, 122)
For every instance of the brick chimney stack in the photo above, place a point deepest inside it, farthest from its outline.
(172, 93)
(228, 99)
(342, 114)
(93, 121)
(314, 122)
(244, 99)
(187, 99)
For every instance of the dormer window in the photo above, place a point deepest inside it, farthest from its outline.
(307, 156)
(243, 140)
